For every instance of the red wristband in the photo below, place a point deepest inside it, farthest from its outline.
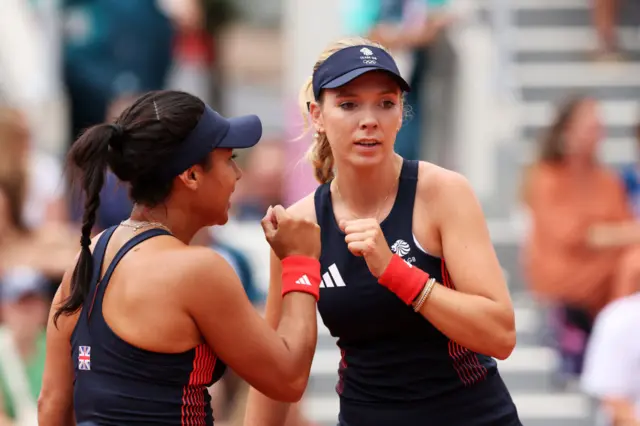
(403, 279)
(301, 273)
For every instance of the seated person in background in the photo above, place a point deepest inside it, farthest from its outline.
(579, 254)
(44, 197)
(25, 300)
(612, 363)
(46, 253)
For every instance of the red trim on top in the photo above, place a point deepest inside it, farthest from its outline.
(193, 394)
(465, 362)
(341, 368)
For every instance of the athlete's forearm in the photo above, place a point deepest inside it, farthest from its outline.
(299, 331)
(475, 322)
(621, 412)
(298, 328)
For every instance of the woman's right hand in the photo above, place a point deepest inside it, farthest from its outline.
(290, 236)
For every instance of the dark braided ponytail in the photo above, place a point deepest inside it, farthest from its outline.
(88, 162)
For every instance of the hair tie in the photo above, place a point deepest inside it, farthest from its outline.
(118, 130)
(115, 142)
(85, 241)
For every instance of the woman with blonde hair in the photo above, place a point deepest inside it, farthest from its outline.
(418, 335)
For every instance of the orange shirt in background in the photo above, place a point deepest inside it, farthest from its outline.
(558, 263)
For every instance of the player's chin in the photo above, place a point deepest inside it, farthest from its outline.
(364, 159)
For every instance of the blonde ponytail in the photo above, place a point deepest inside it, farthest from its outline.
(319, 153)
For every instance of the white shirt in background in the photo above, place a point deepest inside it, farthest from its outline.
(612, 362)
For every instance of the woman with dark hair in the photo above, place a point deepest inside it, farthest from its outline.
(575, 255)
(144, 323)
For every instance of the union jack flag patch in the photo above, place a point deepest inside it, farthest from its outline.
(84, 358)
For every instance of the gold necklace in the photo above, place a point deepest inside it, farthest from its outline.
(393, 187)
(136, 225)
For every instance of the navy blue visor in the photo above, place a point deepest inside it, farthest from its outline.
(214, 131)
(350, 63)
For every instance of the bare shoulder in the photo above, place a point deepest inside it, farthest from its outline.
(304, 208)
(437, 184)
(199, 262)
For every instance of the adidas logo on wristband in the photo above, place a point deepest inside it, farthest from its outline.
(304, 280)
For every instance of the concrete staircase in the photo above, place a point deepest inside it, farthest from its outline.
(552, 43)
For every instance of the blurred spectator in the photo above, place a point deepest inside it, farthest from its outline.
(605, 16)
(113, 48)
(199, 23)
(45, 201)
(574, 256)
(407, 28)
(38, 239)
(30, 68)
(612, 370)
(25, 305)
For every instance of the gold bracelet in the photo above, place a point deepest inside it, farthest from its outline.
(425, 294)
(421, 294)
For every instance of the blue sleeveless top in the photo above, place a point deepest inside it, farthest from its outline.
(397, 368)
(117, 383)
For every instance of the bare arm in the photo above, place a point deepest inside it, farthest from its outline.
(400, 37)
(624, 229)
(621, 411)
(277, 363)
(55, 404)
(478, 313)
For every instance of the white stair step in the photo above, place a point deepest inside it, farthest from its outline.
(549, 4)
(554, 39)
(527, 359)
(575, 74)
(613, 113)
(530, 406)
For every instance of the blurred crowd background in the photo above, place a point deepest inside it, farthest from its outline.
(534, 101)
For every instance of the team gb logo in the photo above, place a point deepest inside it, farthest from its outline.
(401, 248)
(366, 51)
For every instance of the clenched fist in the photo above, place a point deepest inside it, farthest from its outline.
(365, 238)
(290, 236)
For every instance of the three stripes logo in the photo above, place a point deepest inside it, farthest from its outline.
(303, 280)
(332, 278)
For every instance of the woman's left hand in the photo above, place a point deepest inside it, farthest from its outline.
(365, 238)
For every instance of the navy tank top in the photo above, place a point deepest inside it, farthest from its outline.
(397, 368)
(117, 383)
